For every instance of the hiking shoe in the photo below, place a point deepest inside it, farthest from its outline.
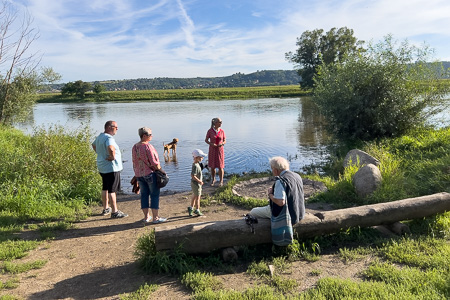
(106, 211)
(160, 220)
(190, 210)
(198, 212)
(118, 214)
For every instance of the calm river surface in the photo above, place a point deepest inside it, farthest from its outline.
(256, 130)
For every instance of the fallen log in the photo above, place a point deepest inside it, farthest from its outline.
(207, 236)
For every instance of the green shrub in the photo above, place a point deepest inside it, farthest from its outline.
(151, 260)
(10, 250)
(198, 281)
(144, 292)
(49, 175)
(16, 268)
(382, 92)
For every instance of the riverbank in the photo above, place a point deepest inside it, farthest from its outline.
(55, 246)
(95, 259)
(287, 91)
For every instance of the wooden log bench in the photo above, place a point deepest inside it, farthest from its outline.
(207, 236)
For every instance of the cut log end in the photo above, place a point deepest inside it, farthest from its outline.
(229, 255)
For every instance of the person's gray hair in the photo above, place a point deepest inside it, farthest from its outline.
(279, 163)
(144, 130)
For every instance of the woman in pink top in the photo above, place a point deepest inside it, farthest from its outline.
(145, 161)
(215, 138)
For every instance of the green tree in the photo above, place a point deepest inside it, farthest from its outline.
(315, 48)
(77, 88)
(382, 92)
(20, 77)
(99, 88)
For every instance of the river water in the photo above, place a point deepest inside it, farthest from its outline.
(256, 130)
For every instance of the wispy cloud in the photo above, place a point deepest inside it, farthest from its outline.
(118, 39)
(187, 25)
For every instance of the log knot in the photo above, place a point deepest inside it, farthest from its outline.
(320, 216)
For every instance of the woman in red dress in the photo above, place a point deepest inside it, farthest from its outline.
(215, 138)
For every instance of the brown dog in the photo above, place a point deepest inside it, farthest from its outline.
(172, 145)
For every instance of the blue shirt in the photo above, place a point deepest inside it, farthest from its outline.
(101, 143)
(279, 191)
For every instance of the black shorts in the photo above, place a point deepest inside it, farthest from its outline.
(111, 182)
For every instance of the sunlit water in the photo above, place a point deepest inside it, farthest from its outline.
(256, 130)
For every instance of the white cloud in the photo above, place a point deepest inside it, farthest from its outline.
(117, 39)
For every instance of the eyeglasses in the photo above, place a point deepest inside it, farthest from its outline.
(220, 122)
(114, 127)
(148, 134)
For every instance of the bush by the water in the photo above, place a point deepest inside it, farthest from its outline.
(48, 175)
(382, 92)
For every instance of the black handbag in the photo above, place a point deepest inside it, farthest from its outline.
(161, 178)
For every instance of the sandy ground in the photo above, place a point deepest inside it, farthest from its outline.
(95, 260)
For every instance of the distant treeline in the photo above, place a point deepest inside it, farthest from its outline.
(256, 79)
(259, 78)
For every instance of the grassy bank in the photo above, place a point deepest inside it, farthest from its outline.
(183, 94)
(414, 266)
(47, 181)
(49, 178)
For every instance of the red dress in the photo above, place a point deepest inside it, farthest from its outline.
(216, 156)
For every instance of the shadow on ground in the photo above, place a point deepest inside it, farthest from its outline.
(104, 283)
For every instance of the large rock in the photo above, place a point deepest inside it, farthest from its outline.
(367, 180)
(364, 158)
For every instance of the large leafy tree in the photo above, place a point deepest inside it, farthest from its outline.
(99, 88)
(78, 88)
(316, 47)
(20, 76)
(382, 92)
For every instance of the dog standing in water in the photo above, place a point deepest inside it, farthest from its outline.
(170, 146)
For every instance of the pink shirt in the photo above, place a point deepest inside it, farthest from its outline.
(144, 157)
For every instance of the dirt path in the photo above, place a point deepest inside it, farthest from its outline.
(95, 260)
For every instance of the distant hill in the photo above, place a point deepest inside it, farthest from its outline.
(259, 78)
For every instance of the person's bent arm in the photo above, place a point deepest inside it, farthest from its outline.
(279, 202)
(111, 152)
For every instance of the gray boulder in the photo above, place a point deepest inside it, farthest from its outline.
(364, 158)
(367, 180)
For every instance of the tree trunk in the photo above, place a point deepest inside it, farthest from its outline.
(208, 236)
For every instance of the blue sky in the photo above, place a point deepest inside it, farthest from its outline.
(126, 39)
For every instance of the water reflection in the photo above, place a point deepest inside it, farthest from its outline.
(256, 130)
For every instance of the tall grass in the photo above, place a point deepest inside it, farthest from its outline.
(48, 176)
(413, 165)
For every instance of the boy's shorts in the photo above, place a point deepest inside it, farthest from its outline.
(196, 188)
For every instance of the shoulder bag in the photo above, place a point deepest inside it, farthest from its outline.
(161, 178)
(281, 226)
